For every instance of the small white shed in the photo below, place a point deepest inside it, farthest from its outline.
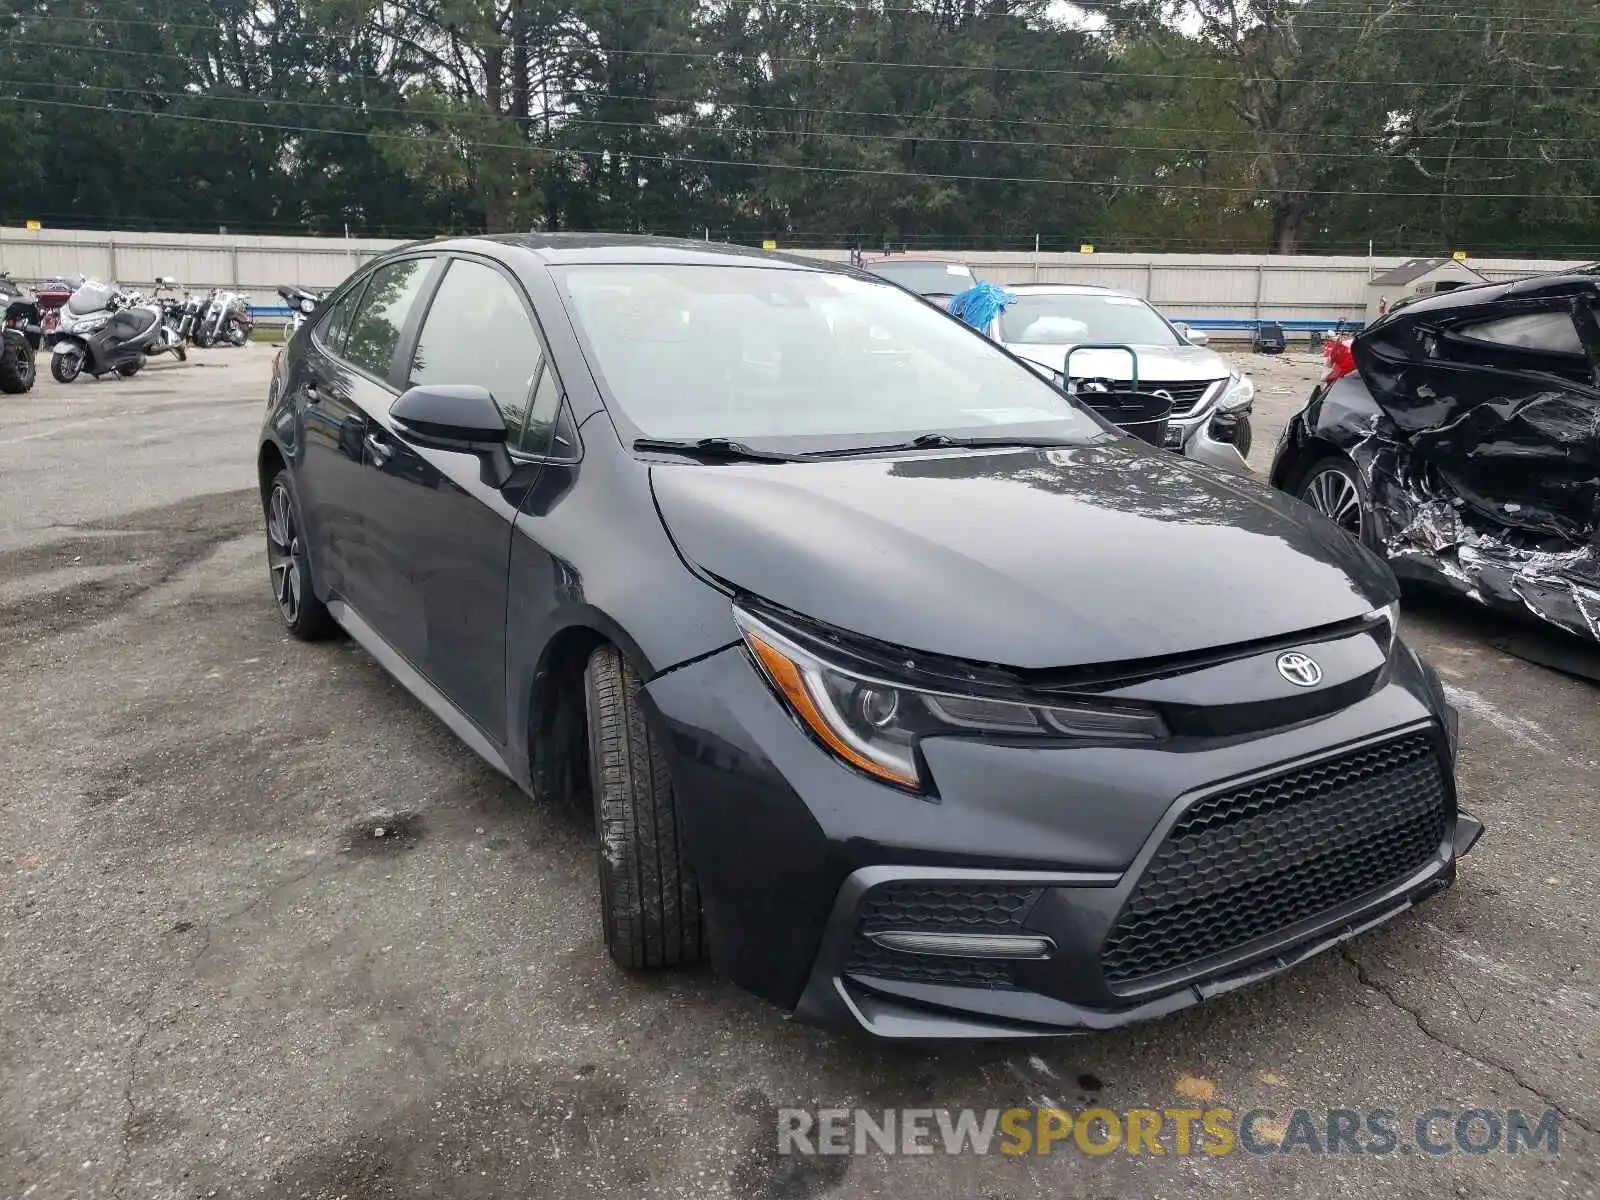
(1419, 277)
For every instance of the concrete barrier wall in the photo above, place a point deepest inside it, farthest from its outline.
(1222, 288)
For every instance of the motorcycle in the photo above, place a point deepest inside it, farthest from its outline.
(53, 295)
(105, 332)
(20, 336)
(177, 312)
(223, 318)
(302, 306)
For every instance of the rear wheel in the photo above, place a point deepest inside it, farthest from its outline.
(649, 901)
(129, 369)
(304, 616)
(1334, 487)
(16, 367)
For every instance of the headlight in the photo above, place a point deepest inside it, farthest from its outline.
(875, 723)
(1241, 390)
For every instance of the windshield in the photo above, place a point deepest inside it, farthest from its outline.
(821, 359)
(1078, 319)
(91, 297)
(926, 278)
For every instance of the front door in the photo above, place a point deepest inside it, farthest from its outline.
(443, 534)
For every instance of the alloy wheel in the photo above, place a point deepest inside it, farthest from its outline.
(285, 555)
(1334, 494)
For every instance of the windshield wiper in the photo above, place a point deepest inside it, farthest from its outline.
(944, 441)
(720, 448)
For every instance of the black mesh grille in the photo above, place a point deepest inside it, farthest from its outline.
(938, 908)
(1186, 395)
(1248, 863)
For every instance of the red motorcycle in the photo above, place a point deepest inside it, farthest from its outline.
(53, 295)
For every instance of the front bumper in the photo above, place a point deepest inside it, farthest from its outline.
(1195, 437)
(793, 850)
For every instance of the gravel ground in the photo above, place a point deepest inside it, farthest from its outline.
(215, 981)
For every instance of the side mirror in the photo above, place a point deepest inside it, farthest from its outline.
(166, 281)
(1195, 337)
(461, 418)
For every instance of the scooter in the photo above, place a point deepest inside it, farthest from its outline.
(103, 337)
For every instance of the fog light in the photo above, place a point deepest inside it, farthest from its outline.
(964, 945)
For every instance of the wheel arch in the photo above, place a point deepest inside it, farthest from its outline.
(269, 461)
(555, 717)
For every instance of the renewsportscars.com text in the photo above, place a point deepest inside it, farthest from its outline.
(1377, 1132)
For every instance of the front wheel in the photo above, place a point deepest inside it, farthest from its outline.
(66, 367)
(649, 900)
(1335, 488)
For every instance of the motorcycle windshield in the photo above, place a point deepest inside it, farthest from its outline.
(91, 297)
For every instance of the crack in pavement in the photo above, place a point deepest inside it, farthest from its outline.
(125, 1148)
(1368, 980)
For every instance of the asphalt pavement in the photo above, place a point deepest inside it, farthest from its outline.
(218, 980)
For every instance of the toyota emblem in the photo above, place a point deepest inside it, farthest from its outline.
(1299, 669)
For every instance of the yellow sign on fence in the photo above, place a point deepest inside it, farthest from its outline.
(1086, 248)
(1460, 256)
(34, 227)
(769, 244)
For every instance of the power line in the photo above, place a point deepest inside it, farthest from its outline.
(679, 160)
(567, 119)
(1417, 12)
(827, 60)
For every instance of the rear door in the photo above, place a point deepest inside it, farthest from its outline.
(330, 428)
(442, 534)
(1502, 402)
(371, 364)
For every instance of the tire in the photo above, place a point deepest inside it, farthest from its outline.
(203, 340)
(64, 368)
(288, 568)
(129, 369)
(17, 368)
(237, 335)
(649, 900)
(1335, 488)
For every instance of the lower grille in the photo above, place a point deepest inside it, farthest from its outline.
(938, 908)
(1249, 863)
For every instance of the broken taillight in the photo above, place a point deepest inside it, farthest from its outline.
(1340, 359)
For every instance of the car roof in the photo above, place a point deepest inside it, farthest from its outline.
(564, 249)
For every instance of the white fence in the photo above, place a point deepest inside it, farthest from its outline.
(1206, 288)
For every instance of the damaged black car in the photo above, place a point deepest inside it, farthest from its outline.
(1460, 437)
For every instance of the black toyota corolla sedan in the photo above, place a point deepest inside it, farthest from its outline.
(908, 693)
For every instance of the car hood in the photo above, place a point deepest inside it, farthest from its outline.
(1162, 364)
(1023, 558)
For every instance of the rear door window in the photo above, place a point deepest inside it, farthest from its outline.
(380, 320)
(1551, 332)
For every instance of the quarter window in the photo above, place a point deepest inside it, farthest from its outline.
(479, 332)
(338, 321)
(375, 331)
(542, 416)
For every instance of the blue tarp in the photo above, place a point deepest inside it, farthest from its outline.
(978, 306)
